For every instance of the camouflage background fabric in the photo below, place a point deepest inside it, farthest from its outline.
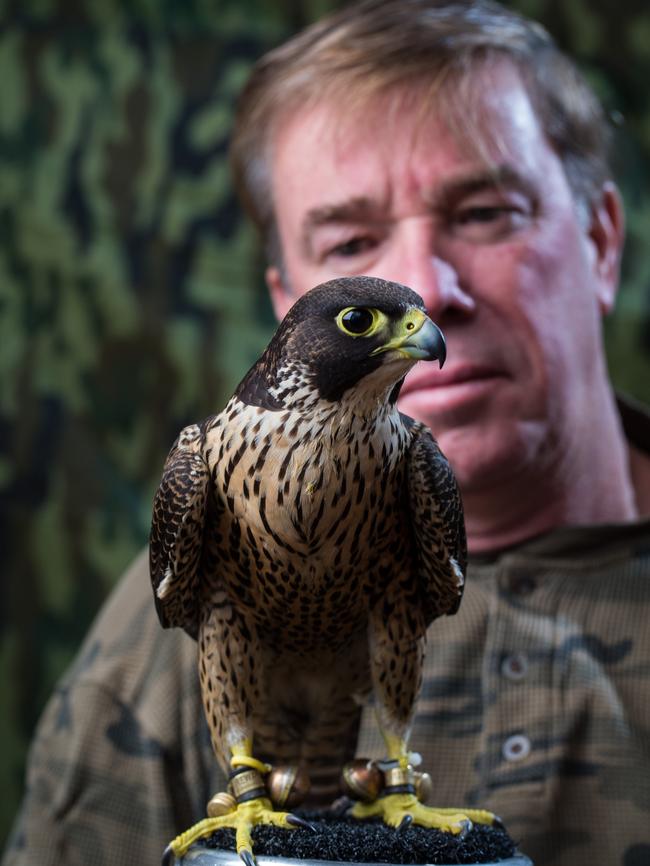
(131, 293)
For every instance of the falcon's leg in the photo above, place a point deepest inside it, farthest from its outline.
(230, 687)
(398, 806)
(397, 639)
(251, 807)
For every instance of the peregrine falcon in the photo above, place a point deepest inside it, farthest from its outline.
(306, 536)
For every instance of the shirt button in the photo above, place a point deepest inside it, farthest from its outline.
(515, 667)
(516, 748)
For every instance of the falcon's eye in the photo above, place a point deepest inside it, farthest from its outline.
(358, 321)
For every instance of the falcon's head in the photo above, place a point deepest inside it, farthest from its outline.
(349, 333)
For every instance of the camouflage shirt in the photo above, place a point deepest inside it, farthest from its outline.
(536, 704)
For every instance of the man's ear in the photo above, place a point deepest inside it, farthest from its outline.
(607, 233)
(281, 297)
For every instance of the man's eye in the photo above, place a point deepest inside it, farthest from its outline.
(488, 223)
(353, 247)
(483, 214)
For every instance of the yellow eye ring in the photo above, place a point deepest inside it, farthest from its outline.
(358, 321)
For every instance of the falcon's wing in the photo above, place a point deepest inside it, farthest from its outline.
(438, 525)
(176, 539)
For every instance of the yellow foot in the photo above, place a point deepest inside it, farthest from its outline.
(400, 810)
(242, 819)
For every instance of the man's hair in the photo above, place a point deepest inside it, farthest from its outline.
(380, 46)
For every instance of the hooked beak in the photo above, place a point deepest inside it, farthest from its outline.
(417, 337)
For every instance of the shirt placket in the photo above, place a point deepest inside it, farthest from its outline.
(517, 680)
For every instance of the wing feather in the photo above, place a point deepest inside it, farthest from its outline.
(438, 524)
(177, 528)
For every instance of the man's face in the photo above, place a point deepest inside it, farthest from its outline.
(515, 278)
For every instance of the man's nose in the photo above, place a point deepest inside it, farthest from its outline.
(436, 281)
(416, 261)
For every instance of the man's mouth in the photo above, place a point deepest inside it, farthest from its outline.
(423, 378)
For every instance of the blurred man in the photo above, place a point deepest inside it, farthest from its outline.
(448, 146)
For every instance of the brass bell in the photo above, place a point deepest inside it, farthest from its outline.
(221, 804)
(287, 786)
(423, 786)
(362, 780)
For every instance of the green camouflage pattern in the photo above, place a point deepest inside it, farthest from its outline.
(131, 298)
(131, 294)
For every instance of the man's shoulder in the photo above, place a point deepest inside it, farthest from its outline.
(126, 645)
(122, 679)
(122, 751)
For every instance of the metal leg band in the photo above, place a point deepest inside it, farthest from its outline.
(398, 789)
(256, 794)
(398, 777)
(246, 784)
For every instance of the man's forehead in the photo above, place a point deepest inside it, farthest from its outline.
(472, 127)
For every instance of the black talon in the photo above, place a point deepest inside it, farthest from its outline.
(406, 822)
(168, 857)
(467, 828)
(340, 806)
(247, 857)
(300, 822)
